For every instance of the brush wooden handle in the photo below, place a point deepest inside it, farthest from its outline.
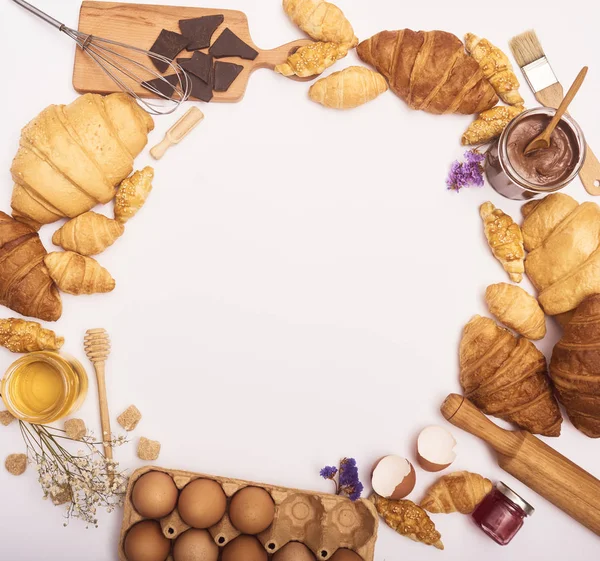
(590, 172)
(532, 462)
(104, 415)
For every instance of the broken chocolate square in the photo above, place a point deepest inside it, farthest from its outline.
(225, 74)
(199, 31)
(229, 44)
(200, 90)
(169, 44)
(200, 65)
(166, 86)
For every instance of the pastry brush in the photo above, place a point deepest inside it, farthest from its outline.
(542, 80)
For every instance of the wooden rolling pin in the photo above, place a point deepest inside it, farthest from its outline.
(538, 466)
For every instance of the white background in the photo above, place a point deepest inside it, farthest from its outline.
(295, 288)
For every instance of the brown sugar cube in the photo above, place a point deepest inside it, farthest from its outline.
(6, 418)
(61, 496)
(75, 429)
(130, 418)
(16, 464)
(148, 450)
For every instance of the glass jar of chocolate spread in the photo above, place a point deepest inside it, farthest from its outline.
(517, 176)
(502, 513)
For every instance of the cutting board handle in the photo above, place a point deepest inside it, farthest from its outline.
(459, 411)
(271, 58)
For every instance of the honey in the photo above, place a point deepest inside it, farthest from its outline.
(43, 387)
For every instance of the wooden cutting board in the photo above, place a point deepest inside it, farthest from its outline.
(139, 25)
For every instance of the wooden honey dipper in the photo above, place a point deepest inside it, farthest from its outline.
(97, 349)
(536, 464)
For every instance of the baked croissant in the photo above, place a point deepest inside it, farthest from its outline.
(311, 60)
(77, 274)
(490, 124)
(20, 336)
(563, 239)
(430, 71)
(505, 376)
(322, 21)
(348, 88)
(516, 309)
(496, 68)
(505, 240)
(132, 194)
(88, 234)
(575, 367)
(71, 157)
(25, 285)
(460, 491)
(408, 519)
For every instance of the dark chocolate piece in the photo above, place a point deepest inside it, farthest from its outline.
(169, 44)
(162, 86)
(225, 74)
(229, 44)
(200, 65)
(200, 90)
(199, 31)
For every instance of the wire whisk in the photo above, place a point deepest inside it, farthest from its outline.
(123, 70)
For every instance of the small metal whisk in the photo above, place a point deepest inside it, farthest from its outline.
(122, 68)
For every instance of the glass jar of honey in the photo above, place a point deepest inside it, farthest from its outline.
(43, 387)
(501, 513)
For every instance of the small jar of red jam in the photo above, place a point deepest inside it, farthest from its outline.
(501, 514)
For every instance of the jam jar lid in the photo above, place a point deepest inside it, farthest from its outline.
(514, 498)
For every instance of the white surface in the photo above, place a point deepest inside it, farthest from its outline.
(295, 288)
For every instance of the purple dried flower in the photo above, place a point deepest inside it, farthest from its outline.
(468, 173)
(357, 492)
(328, 472)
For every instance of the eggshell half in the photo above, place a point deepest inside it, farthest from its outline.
(393, 477)
(435, 449)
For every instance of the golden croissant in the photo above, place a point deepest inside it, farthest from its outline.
(575, 367)
(408, 519)
(563, 240)
(71, 157)
(322, 21)
(348, 88)
(505, 376)
(20, 336)
(516, 309)
(25, 285)
(460, 491)
(88, 234)
(311, 60)
(77, 274)
(490, 124)
(505, 240)
(430, 71)
(496, 68)
(132, 194)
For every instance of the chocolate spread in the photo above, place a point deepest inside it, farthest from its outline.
(548, 166)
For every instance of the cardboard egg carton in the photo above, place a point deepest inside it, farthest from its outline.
(322, 522)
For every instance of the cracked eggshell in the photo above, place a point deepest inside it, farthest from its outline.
(393, 477)
(435, 448)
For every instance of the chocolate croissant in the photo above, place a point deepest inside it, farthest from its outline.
(430, 71)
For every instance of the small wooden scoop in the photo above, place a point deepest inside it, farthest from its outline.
(178, 132)
(543, 140)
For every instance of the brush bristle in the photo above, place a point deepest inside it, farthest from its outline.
(526, 48)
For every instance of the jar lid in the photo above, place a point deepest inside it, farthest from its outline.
(514, 498)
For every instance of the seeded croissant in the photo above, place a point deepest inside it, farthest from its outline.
(77, 274)
(490, 124)
(460, 491)
(132, 194)
(348, 88)
(505, 240)
(408, 519)
(311, 60)
(88, 234)
(20, 336)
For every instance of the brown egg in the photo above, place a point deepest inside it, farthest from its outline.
(244, 548)
(154, 495)
(145, 542)
(202, 503)
(294, 551)
(195, 545)
(251, 510)
(346, 555)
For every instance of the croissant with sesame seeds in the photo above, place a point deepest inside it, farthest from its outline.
(311, 60)
(132, 194)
